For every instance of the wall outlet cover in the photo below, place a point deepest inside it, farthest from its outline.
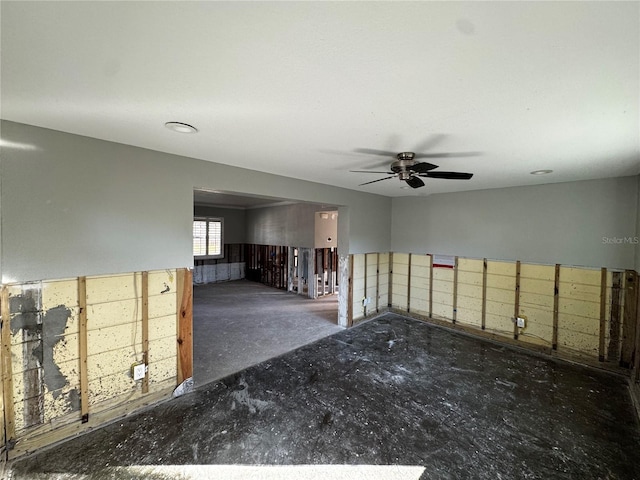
(138, 371)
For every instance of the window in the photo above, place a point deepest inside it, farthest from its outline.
(207, 237)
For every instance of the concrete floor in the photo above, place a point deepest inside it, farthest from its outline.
(392, 398)
(238, 324)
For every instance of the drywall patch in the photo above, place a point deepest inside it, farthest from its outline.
(54, 323)
(26, 328)
(25, 314)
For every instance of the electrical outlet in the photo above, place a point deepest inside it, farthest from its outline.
(520, 322)
(138, 371)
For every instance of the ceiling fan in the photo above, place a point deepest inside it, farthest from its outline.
(407, 169)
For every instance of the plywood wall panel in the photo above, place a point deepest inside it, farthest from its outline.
(59, 292)
(105, 388)
(581, 276)
(579, 342)
(162, 370)
(358, 286)
(162, 281)
(420, 307)
(399, 301)
(162, 348)
(111, 362)
(162, 327)
(469, 292)
(162, 305)
(109, 314)
(419, 271)
(111, 288)
(468, 316)
(113, 338)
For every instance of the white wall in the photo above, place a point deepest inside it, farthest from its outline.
(555, 223)
(74, 205)
(326, 229)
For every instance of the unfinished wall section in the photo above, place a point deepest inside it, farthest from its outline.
(69, 346)
(231, 267)
(576, 312)
(585, 314)
(368, 285)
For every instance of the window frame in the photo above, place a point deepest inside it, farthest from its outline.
(209, 220)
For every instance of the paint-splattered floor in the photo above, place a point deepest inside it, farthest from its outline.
(391, 398)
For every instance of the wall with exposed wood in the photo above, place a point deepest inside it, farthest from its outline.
(369, 285)
(231, 267)
(69, 345)
(585, 314)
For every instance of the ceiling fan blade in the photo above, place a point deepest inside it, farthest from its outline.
(422, 167)
(374, 181)
(447, 154)
(415, 182)
(430, 142)
(448, 175)
(371, 151)
(370, 171)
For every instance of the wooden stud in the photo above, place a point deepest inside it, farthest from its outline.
(3, 440)
(629, 318)
(7, 373)
(82, 341)
(430, 285)
(484, 293)
(377, 282)
(390, 285)
(185, 324)
(409, 285)
(556, 307)
(615, 322)
(365, 282)
(455, 289)
(603, 313)
(516, 308)
(145, 330)
(350, 294)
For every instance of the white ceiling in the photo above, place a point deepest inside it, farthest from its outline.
(294, 88)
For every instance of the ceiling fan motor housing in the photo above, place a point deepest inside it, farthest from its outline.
(402, 166)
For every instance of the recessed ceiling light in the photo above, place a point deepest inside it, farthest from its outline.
(540, 172)
(180, 127)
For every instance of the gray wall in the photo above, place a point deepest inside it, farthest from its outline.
(74, 205)
(234, 221)
(291, 225)
(555, 223)
(637, 264)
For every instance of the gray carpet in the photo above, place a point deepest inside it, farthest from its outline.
(241, 323)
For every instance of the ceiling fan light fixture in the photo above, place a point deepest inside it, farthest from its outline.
(540, 172)
(181, 127)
